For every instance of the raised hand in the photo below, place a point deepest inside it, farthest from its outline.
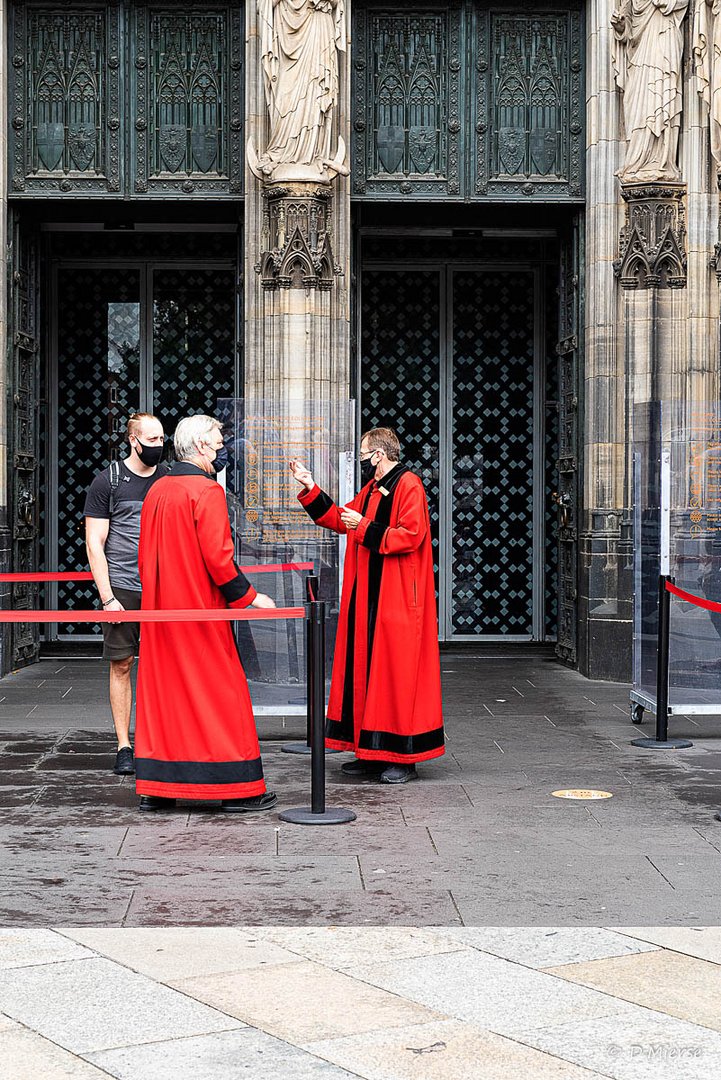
(301, 473)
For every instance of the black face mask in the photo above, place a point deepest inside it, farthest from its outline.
(221, 459)
(149, 455)
(367, 469)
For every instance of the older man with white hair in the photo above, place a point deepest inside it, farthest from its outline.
(195, 736)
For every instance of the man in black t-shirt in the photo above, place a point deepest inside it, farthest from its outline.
(112, 531)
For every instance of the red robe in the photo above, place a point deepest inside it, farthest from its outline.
(385, 695)
(195, 735)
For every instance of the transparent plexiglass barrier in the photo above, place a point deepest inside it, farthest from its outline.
(682, 441)
(271, 527)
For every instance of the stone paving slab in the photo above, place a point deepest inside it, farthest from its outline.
(88, 1005)
(447, 1050)
(172, 954)
(28, 1056)
(489, 992)
(200, 907)
(681, 986)
(703, 942)
(647, 1046)
(64, 904)
(545, 947)
(304, 1002)
(218, 1057)
(28, 948)
(343, 947)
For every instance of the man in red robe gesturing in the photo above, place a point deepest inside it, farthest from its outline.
(195, 736)
(385, 695)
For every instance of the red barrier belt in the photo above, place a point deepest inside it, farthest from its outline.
(698, 601)
(171, 615)
(85, 575)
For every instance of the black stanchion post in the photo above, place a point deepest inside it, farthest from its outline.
(317, 813)
(312, 585)
(662, 741)
(311, 593)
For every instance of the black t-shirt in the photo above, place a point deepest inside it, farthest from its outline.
(121, 546)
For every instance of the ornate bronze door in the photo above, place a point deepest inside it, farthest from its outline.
(24, 371)
(450, 356)
(566, 496)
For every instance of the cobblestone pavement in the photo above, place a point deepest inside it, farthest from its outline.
(479, 1003)
(470, 925)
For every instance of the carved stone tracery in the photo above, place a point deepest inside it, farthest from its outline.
(653, 239)
(296, 250)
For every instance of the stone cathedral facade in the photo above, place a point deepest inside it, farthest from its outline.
(494, 227)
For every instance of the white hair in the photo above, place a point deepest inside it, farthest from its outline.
(190, 431)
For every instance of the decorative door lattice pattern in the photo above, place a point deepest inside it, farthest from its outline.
(400, 349)
(98, 386)
(193, 341)
(108, 365)
(492, 470)
(447, 357)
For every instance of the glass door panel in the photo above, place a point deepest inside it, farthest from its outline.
(193, 341)
(492, 486)
(97, 380)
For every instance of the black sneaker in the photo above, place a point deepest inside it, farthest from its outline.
(124, 762)
(362, 768)
(155, 802)
(398, 774)
(248, 806)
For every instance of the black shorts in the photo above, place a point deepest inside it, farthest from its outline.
(121, 640)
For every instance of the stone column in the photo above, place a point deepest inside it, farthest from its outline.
(604, 584)
(297, 270)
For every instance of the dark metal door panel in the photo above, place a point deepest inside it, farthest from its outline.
(492, 483)
(96, 379)
(566, 497)
(24, 433)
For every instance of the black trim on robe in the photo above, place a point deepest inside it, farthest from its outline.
(391, 743)
(375, 561)
(321, 504)
(236, 588)
(198, 772)
(186, 468)
(374, 536)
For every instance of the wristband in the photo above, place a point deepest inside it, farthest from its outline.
(108, 601)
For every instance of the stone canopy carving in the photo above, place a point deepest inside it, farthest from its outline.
(647, 59)
(706, 37)
(653, 239)
(299, 45)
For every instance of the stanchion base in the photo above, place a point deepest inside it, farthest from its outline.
(302, 748)
(303, 815)
(670, 744)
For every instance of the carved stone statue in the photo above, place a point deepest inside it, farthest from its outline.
(706, 36)
(647, 60)
(299, 45)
